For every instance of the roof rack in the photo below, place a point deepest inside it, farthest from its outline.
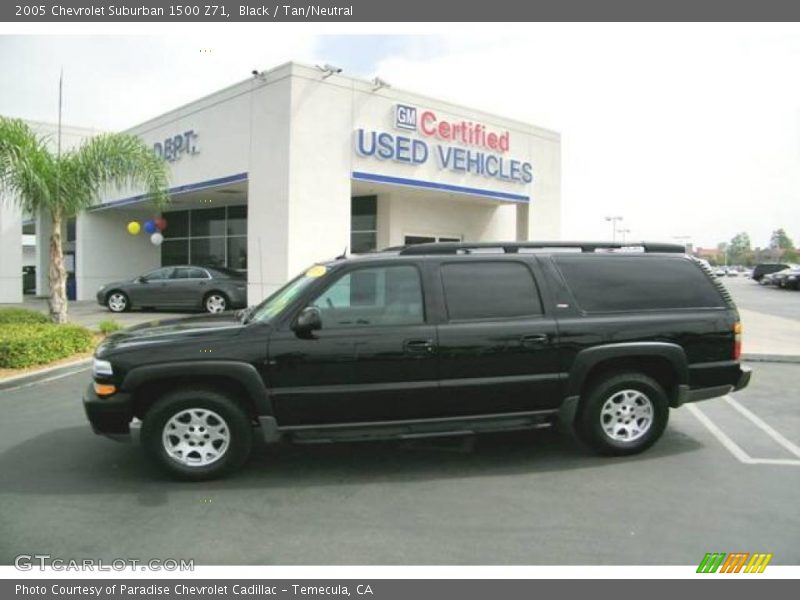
(515, 247)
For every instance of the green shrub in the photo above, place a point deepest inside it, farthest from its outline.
(26, 345)
(108, 326)
(21, 315)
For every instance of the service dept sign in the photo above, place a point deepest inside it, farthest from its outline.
(177, 146)
(459, 146)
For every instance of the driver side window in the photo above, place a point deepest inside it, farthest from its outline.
(159, 274)
(373, 297)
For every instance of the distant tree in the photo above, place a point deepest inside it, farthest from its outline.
(60, 186)
(780, 240)
(739, 249)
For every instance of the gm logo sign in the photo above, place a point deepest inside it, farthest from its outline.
(405, 117)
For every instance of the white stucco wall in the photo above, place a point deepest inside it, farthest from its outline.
(10, 253)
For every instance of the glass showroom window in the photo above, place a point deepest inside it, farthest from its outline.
(363, 224)
(212, 237)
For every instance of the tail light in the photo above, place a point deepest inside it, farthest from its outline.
(737, 341)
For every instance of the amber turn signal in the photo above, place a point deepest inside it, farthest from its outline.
(104, 389)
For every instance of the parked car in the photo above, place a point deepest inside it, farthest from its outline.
(720, 272)
(213, 289)
(786, 278)
(763, 269)
(775, 278)
(433, 339)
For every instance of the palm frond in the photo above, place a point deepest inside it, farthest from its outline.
(27, 167)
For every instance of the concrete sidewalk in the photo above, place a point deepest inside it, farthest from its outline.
(769, 335)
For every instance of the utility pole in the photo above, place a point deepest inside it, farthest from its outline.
(614, 221)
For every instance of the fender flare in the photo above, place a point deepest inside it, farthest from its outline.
(244, 373)
(588, 358)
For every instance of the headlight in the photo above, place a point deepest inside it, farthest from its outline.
(102, 368)
(101, 288)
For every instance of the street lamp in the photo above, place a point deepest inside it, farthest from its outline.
(685, 239)
(614, 221)
(624, 232)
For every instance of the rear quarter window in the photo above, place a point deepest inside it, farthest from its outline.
(630, 283)
(489, 290)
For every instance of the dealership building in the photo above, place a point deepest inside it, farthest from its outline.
(298, 164)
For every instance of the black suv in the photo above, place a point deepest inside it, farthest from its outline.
(433, 339)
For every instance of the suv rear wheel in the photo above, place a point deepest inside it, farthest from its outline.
(197, 434)
(623, 414)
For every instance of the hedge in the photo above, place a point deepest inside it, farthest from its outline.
(21, 315)
(26, 345)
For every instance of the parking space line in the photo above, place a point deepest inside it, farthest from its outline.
(734, 448)
(731, 446)
(755, 420)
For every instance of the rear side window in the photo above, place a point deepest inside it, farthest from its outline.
(624, 283)
(489, 290)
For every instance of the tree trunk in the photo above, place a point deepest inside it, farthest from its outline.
(58, 274)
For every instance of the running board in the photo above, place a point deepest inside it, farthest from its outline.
(418, 428)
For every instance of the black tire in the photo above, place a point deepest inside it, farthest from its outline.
(113, 299)
(220, 296)
(591, 423)
(234, 420)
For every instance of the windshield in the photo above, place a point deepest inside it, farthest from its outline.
(277, 301)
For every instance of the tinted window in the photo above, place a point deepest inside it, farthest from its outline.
(177, 224)
(175, 252)
(208, 251)
(189, 273)
(159, 274)
(373, 296)
(208, 222)
(237, 220)
(622, 283)
(489, 290)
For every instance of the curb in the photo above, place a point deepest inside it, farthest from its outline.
(772, 358)
(46, 373)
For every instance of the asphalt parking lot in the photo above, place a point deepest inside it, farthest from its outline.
(719, 480)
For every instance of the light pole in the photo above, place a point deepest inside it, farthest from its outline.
(685, 239)
(614, 221)
(624, 233)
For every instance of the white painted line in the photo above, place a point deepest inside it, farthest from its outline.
(733, 447)
(766, 428)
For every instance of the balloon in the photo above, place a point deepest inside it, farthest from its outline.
(156, 238)
(134, 228)
(150, 226)
(161, 223)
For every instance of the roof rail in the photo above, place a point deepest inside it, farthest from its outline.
(515, 247)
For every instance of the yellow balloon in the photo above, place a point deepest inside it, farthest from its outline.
(134, 227)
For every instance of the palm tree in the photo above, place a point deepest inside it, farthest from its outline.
(61, 185)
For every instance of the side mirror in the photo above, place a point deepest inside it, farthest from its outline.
(308, 320)
(140, 279)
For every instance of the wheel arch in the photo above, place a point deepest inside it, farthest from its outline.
(239, 380)
(663, 361)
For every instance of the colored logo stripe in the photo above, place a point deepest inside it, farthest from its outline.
(734, 562)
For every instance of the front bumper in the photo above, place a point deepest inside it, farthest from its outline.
(108, 416)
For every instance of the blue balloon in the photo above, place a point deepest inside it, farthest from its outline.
(150, 226)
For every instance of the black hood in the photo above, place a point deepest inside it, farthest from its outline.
(174, 329)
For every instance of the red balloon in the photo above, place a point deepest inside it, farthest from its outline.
(161, 223)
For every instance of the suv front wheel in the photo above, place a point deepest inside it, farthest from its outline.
(197, 434)
(623, 414)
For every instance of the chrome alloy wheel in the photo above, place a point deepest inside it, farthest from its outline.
(627, 415)
(117, 302)
(196, 437)
(216, 303)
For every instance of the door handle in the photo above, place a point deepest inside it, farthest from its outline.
(534, 340)
(418, 346)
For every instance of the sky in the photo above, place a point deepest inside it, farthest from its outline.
(688, 132)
